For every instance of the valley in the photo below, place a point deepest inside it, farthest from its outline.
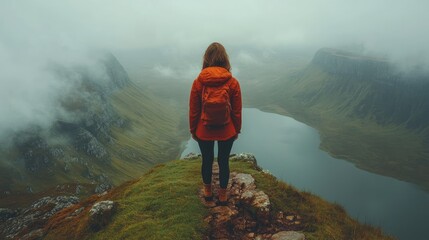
(120, 132)
(365, 111)
(95, 140)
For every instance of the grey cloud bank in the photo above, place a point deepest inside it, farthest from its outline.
(36, 34)
(380, 25)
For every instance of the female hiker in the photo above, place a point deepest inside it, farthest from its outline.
(215, 115)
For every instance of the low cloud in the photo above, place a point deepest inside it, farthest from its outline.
(247, 58)
(34, 82)
(183, 73)
(36, 35)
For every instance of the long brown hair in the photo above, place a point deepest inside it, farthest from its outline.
(216, 56)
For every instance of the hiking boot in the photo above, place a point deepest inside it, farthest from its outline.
(208, 194)
(223, 197)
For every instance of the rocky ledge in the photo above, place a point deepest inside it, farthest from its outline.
(28, 223)
(31, 222)
(249, 213)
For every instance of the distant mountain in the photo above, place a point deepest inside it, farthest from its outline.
(352, 65)
(366, 110)
(110, 131)
(381, 93)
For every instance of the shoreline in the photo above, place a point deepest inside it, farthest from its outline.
(324, 146)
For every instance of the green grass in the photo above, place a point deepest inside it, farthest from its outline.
(326, 103)
(164, 204)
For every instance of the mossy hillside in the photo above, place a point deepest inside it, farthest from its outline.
(150, 137)
(328, 103)
(164, 204)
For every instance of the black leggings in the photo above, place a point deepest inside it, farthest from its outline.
(207, 152)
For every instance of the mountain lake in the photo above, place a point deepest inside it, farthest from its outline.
(290, 151)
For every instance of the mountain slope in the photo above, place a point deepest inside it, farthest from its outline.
(110, 131)
(164, 204)
(151, 134)
(365, 110)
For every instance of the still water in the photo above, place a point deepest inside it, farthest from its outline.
(290, 150)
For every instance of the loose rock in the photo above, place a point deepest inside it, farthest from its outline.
(191, 156)
(100, 214)
(288, 235)
(244, 181)
(248, 214)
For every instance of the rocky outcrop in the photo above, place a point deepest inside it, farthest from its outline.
(103, 187)
(191, 156)
(349, 64)
(27, 223)
(248, 157)
(248, 214)
(288, 235)
(35, 151)
(255, 201)
(116, 72)
(100, 214)
(86, 142)
(35, 221)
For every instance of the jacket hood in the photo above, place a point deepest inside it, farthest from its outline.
(214, 76)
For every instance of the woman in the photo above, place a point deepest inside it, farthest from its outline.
(210, 120)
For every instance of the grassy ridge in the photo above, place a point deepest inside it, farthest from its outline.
(328, 103)
(164, 204)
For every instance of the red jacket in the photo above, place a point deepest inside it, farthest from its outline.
(214, 76)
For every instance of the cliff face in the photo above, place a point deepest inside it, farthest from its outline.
(352, 65)
(115, 72)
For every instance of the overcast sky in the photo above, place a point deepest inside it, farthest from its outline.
(34, 34)
(390, 25)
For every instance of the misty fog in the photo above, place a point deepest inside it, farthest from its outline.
(172, 36)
